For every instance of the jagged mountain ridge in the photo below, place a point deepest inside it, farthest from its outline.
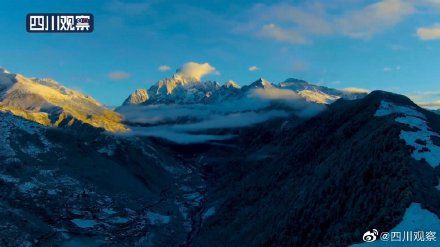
(177, 90)
(49, 103)
(137, 97)
(318, 94)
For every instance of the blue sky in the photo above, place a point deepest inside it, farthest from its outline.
(389, 44)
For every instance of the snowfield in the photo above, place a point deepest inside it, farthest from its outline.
(415, 219)
(420, 138)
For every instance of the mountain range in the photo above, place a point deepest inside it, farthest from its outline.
(361, 162)
(177, 90)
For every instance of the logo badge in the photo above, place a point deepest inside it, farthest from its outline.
(60, 23)
(370, 236)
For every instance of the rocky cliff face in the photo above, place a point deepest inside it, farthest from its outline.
(137, 97)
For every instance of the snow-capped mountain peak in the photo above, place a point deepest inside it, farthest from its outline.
(47, 102)
(293, 82)
(180, 90)
(261, 83)
(316, 93)
(137, 97)
(184, 79)
(231, 84)
(4, 71)
(6, 79)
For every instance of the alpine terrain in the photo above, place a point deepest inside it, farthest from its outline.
(237, 166)
(49, 103)
(181, 90)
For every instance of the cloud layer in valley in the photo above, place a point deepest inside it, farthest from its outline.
(190, 123)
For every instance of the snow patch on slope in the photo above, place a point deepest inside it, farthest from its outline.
(420, 138)
(386, 108)
(156, 218)
(84, 223)
(415, 219)
(208, 213)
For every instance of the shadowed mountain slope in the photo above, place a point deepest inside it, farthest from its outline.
(328, 180)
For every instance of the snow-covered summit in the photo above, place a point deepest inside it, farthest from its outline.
(177, 90)
(180, 90)
(420, 137)
(260, 83)
(317, 93)
(6, 79)
(293, 82)
(231, 84)
(47, 102)
(137, 97)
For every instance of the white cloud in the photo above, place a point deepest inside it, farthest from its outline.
(191, 132)
(431, 4)
(389, 69)
(275, 94)
(171, 121)
(355, 90)
(253, 68)
(167, 119)
(275, 32)
(166, 132)
(288, 98)
(428, 99)
(164, 68)
(233, 120)
(192, 70)
(429, 33)
(299, 23)
(434, 104)
(374, 18)
(118, 75)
